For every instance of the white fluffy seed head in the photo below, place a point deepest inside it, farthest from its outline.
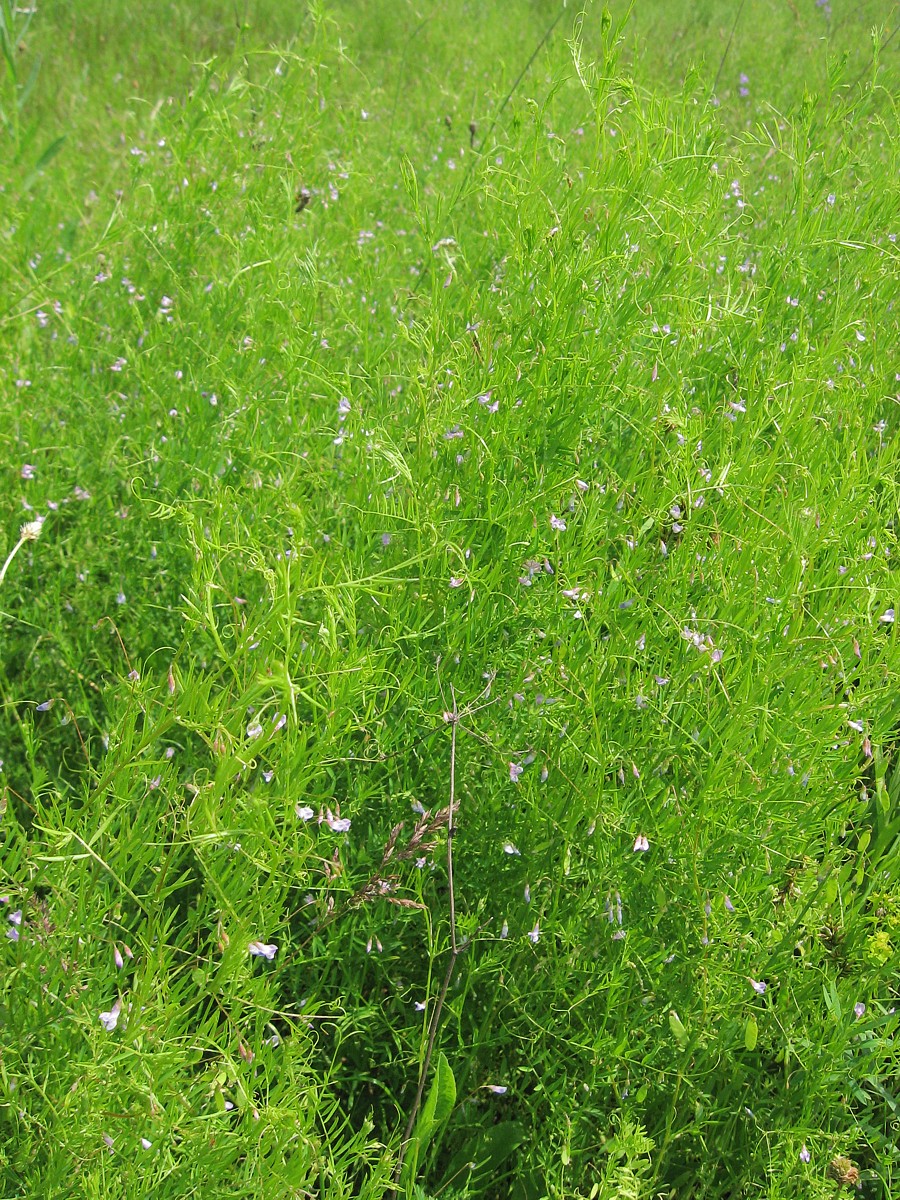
(31, 530)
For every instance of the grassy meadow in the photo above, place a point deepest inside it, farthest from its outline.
(449, 708)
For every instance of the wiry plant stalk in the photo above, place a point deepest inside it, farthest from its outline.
(452, 718)
(30, 532)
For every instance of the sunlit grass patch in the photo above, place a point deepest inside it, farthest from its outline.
(396, 485)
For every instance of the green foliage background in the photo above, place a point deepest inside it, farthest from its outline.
(356, 379)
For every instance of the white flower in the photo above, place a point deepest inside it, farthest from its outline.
(262, 950)
(558, 524)
(640, 843)
(146, 1143)
(534, 934)
(304, 812)
(109, 1020)
(887, 617)
(31, 530)
(509, 848)
(254, 730)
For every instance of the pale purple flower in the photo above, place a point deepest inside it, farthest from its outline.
(146, 1143)
(859, 1010)
(534, 934)
(887, 617)
(421, 1005)
(385, 539)
(28, 471)
(254, 730)
(641, 844)
(558, 524)
(337, 824)
(279, 721)
(515, 770)
(109, 1020)
(804, 1154)
(455, 581)
(758, 986)
(857, 725)
(263, 950)
(497, 1088)
(15, 917)
(117, 958)
(509, 848)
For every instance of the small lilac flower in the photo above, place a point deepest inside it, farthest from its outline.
(109, 1020)
(263, 950)
(887, 617)
(385, 539)
(758, 986)
(421, 1005)
(146, 1143)
(728, 905)
(455, 581)
(15, 917)
(859, 1010)
(534, 934)
(28, 471)
(497, 1088)
(280, 720)
(254, 730)
(117, 958)
(641, 844)
(558, 524)
(509, 848)
(515, 771)
(336, 824)
(804, 1154)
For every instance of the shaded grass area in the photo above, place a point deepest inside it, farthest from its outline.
(347, 394)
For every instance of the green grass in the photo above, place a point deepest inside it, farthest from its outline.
(548, 467)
